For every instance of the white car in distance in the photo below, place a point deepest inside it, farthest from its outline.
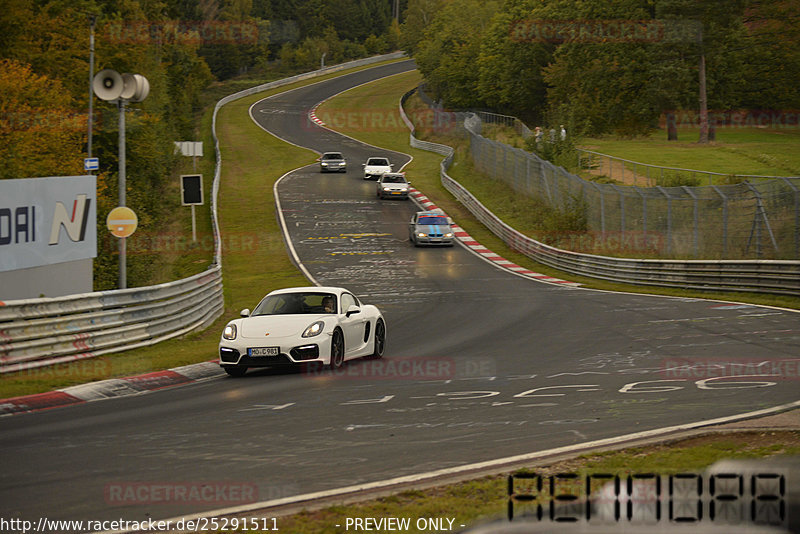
(393, 185)
(375, 167)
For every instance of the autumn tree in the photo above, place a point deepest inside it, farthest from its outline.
(40, 133)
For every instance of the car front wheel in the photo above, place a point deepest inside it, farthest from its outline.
(380, 340)
(337, 350)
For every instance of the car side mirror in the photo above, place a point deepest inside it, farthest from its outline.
(352, 310)
(245, 312)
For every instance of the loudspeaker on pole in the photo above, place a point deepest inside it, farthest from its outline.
(142, 88)
(107, 85)
(110, 85)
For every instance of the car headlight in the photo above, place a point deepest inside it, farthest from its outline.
(386, 189)
(229, 332)
(449, 234)
(422, 234)
(324, 164)
(314, 329)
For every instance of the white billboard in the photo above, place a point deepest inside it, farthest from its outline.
(44, 221)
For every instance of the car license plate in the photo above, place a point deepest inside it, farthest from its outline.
(395, 192)
(263, 351)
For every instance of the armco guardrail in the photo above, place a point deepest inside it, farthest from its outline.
(47, 331)
(761, 276)
(40, 332)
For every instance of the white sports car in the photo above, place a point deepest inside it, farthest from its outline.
(324, 325)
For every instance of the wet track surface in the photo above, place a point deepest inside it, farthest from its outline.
(480, 364)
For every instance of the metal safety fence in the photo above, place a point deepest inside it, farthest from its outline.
(764, 276)
(46, 331)
(758, 219)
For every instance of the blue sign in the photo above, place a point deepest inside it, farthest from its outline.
(91, 164)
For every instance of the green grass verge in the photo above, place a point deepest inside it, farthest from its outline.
(485, 499)
(380, 99)
(255, 260)
(753, 151)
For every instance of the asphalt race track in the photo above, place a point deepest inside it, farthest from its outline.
(480, 364)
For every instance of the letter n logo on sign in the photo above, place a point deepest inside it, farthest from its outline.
(74, 224)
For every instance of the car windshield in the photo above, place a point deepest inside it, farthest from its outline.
(432, 220)
(296, 303)
(393, 179)
(378, 161)
(332, 155)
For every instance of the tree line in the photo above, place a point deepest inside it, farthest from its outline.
(607, 67)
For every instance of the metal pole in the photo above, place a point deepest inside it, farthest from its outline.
(724, 221)
(644, 214)
(621, 208)
(695, 229)
(505, 172)
(92, 20)
(194, 169)
(602, 209)
(123, 275)
(669, 218)
(528, 187)
(194, 226)
(761, 213)
(796, 217)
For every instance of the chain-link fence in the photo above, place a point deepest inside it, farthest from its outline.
(745, 220)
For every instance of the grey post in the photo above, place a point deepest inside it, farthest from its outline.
(123, 275)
